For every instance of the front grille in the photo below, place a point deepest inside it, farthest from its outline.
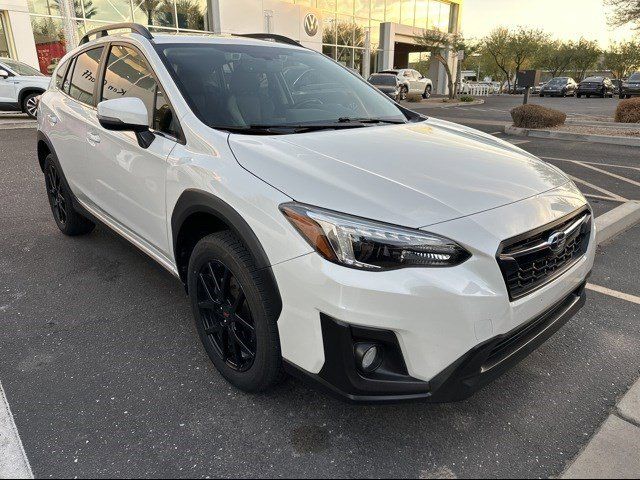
(530, 261)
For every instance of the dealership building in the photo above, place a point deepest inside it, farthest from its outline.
(365, 35)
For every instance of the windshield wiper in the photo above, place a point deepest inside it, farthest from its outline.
(369, 120)
(288, 129)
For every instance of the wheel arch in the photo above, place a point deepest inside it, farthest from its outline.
(26, 91)
(44, 148)
(197, 214)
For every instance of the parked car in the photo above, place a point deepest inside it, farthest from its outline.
(387, 84)
(318, 228)
(617, 84)
(20, 86)
(596, 86)
(538, 88)
(559, 87)
(412, 82)
(631, 88)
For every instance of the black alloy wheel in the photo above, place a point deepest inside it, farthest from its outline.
(236, 308)
(55, 193)
(70, 221)
(226, 317)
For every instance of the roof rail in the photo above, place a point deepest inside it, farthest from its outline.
(270, 37)
(104, 31)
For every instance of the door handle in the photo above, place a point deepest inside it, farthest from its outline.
(93, 138)
(52, 118)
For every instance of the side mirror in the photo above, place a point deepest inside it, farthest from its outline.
(4, 74)
(127, 114)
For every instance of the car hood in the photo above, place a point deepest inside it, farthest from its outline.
(411, 174)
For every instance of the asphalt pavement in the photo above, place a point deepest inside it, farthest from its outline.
(105, 375)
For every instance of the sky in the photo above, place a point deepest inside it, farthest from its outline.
(565, 20)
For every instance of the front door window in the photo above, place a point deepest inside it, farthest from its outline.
(4, 38)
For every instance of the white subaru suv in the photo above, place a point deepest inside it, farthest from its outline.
(319, 228)
(20, 86)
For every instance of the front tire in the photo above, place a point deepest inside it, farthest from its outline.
(234, 313)
(403, 93)
(427, 92)
(30, 105)
(67, 218)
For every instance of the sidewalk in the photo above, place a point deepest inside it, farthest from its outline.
(15, 120)
(614, 451)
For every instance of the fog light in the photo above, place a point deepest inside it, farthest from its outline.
(368, 356)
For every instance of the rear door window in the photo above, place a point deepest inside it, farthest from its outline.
(60, 74)
(85, 75)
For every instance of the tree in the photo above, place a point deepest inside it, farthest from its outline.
(441, 45)
(496, 46)
(524, 44)
(624, 12)
(585, 57)
(623, 58)
(557, 56)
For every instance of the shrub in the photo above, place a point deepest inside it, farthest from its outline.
(414, 97)
(467, 98)
(628, 111)
(535, 116)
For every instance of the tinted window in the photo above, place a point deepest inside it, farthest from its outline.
(635, 77)
(388, 80)
(85, 74)
(128, 75)
(60, 73)
(249, 85)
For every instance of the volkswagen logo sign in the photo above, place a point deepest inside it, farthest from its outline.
(311, 24)
(557, 241)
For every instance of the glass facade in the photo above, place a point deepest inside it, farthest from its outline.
(5, 51)
(165, 15)
(346, 23)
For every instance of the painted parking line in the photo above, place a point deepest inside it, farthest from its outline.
(614, 175)
(614, 293)
(611, 195)
(13, 459)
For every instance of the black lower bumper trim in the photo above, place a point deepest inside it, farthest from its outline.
(475, 369)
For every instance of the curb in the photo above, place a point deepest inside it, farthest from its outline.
(447, 105)
(616, 221)
(14, 125)
(576, 137)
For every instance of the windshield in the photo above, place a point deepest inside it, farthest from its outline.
(557, 81)
(593, 79)
(635, 77)
(384, 80)
(21, 68)
(249, 86)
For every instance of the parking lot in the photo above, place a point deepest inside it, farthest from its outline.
(104, 371)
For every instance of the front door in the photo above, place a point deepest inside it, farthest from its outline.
(129, 180)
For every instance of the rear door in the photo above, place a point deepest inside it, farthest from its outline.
(71, 107)
(129, 180)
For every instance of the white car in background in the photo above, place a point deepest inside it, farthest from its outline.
(412, 82)
(20, 86)
(318, 227)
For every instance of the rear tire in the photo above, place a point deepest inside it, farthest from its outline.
(403, 92)
(67, 218)
(30, 105)
(242, 342)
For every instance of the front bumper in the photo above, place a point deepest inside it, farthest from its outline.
(443, 320)
(475, 369)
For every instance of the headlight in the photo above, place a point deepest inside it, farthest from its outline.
(369, 245)
(625, 84)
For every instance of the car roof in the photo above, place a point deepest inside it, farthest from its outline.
(203, 39)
